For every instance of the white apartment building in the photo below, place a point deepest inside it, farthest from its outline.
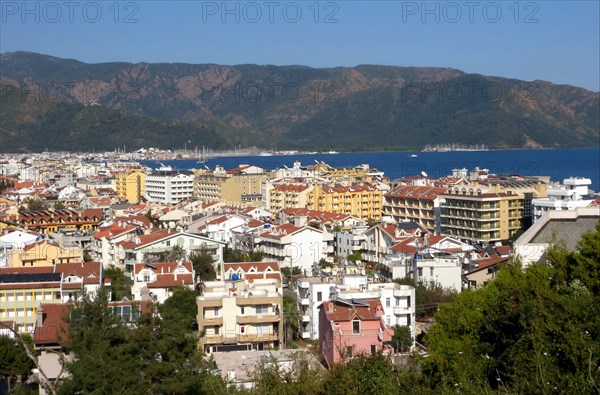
(169, 188)
(292, 246)
(398, 301)
(572, 194)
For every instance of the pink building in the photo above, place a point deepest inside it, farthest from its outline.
(351, 327)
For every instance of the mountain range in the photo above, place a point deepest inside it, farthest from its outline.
(64, 104)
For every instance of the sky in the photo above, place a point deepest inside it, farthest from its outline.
(556, 41)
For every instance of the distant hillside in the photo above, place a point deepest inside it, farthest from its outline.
(358, 108)
(31, 123)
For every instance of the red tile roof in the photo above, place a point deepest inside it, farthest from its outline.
(54, 327)
(341, 311)
(291, 188)
(416, 192)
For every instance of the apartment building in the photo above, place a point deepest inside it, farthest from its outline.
(288, 196)
(362, 200)
(156, 281)
(242, 185)
(169, 188)
(131, 186)
(573, 193)
(242, 312)
(415, 203)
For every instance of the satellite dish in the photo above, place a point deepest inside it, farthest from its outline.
(424, 174)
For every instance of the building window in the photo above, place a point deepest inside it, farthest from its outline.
(373, 348)
(262, 309)
(420, 271)
(242, 311)
(349, 351)
(388, 302)
(431, 271)
(168, 243)
(319, 296)
(356, 327)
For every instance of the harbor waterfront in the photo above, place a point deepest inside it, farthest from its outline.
(556, 163)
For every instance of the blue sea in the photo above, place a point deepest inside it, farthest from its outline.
(556, 163)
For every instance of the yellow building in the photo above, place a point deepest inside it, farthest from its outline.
(362, 200)
(227, 188)
(288, 196)
(130, 186)
(488, 214)
(44, 253)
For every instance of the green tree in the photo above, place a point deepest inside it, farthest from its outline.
(59, 205)
(402, 340)
(179, 311)
(35, 204)
(363, 374)
(302, 377)
(112, 356)
(291, 318)
(120, 284)
(87, 257)
(15, 365)
(203, 264)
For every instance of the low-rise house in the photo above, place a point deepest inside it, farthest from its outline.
(140, 247)
(45, 253)
(156, 281)
(351, 327)
(482, 271)
(238, 367)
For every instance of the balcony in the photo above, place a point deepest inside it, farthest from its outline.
(305, 335)
(401, 310)
(212, 339)
(305, 318)
(257, 319)
(257, 338)
(212, 321)
(211, 302)
(304, 301)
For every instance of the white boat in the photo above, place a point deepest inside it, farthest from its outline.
(164, 167)
(332, 152)
(413, 156)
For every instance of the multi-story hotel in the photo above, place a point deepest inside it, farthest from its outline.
(131, 186)
(243, 311)
(489, 214)
(170, 188)
(362, 200)
(415, 203)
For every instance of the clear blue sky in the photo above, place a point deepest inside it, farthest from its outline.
(556, 41)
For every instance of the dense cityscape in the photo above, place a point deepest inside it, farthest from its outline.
(314, 262)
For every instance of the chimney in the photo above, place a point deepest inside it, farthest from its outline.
(39, 321)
